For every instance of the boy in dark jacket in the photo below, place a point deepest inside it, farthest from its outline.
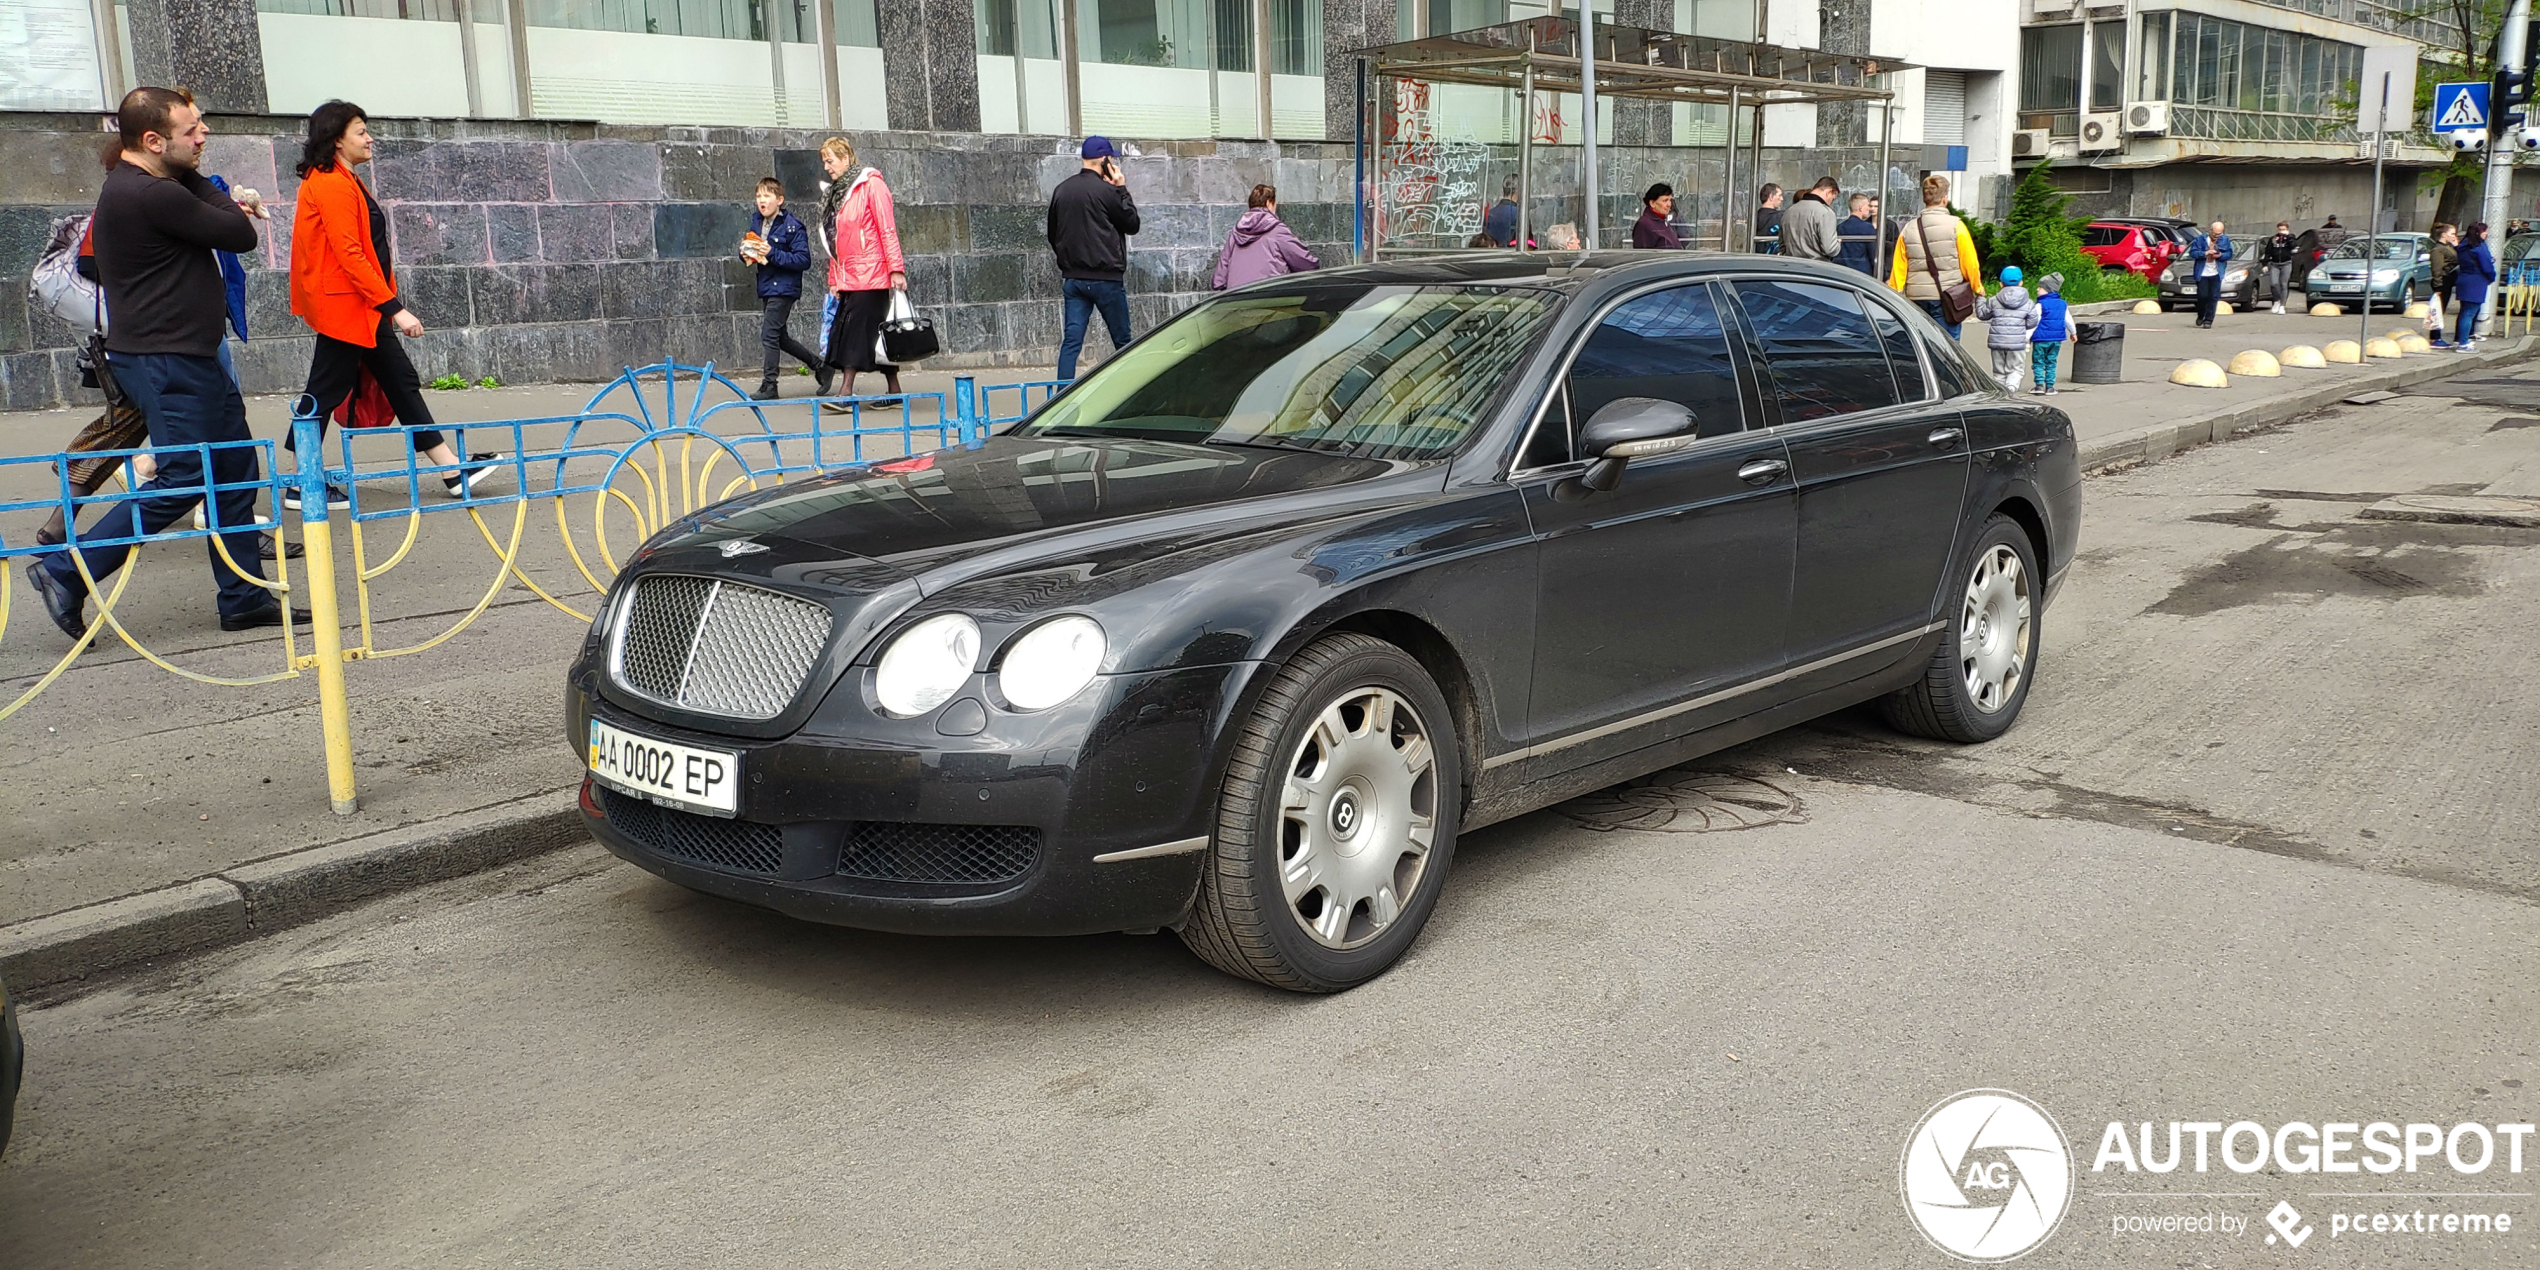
(781, 248)
(2046, 340)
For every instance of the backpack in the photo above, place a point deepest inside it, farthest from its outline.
(56, 286)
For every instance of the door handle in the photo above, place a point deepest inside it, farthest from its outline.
(1761, 471)
(1944, 438)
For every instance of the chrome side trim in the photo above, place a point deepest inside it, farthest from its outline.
(1182, 847)
(1711, 698)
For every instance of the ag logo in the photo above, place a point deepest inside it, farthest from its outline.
(1987, 1175)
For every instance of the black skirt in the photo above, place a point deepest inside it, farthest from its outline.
(857, 328)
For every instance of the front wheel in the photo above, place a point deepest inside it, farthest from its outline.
(1335, 824)
(1974, 686)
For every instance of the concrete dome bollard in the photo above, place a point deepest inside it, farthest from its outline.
(2222, 308)
(2400, 336)
(2147, 306)
(2196, 372)
(2301, 357)
(2415, 344)
(2381, 347)
(2347, 351)
(2325, 309)
(2416, 310)
(2255, 361)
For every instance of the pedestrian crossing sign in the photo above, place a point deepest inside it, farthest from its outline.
(2460, 107)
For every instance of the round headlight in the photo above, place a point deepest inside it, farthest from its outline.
(1052, 662)
(926, 665)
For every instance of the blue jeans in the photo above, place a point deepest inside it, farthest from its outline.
(2465, 326)
(1083, 300)
(185, 401)
(1932, 307)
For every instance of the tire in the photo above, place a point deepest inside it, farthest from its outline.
(1309, 747)
(1942, 705)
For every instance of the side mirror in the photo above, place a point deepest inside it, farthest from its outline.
(1628, 428)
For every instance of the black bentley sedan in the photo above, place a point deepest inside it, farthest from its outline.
(1238, 634)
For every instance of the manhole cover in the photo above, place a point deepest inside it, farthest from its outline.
(1686, 802)
(2457, 509)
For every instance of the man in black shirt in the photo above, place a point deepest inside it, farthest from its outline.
(157, 224)
(1091, 216)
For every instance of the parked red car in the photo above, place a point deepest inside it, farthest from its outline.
(2141, 249)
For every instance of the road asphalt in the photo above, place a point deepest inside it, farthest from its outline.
(164, 815)
(2259, 850)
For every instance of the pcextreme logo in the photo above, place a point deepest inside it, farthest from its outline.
(1987, 1175)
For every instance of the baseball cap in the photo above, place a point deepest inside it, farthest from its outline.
(2012, 273)
(1096, 148)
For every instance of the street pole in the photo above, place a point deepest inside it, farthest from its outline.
(2512, 53)
(1587, 107)
(2372, 222)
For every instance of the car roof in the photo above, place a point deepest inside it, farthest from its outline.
(1563, 271)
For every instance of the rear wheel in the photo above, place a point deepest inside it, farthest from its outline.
(1336, 822)
(1974, 686)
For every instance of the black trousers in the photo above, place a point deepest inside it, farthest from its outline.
(2208, 291)
(187, 401)
(336, 367)
(773, 312)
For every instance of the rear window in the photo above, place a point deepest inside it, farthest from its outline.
(2103, 236)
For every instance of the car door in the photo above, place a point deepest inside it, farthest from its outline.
(1880, 464)
(1661, 596)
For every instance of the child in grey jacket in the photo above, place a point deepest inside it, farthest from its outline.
(2008, 316)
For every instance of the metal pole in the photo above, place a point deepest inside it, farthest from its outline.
(1023, 85)
(326, 620)
(776, 59)
(1728, 177)
(1071, 67)
(516, 20)
(2372, 225)
(467, 60)
(2512, 53)
(825, 26)
(1261, 64)
(1358, 167)
(1587, 107)
(1208, 61)
(1755, 160)
(1878, 218)
(1526, 153)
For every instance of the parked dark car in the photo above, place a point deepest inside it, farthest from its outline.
(2240, 277)
(1236, 636)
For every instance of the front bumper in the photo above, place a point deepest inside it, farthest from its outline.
(1129, 765)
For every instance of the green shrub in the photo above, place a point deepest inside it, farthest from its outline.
(489, 382)
(448, 383)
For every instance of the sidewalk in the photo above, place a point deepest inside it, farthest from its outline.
(155, 816)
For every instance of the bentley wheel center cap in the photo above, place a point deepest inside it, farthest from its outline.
(1345, 814)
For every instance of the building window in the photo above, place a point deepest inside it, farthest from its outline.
(2050, 68)
(2152, 61)
(2107, 66)
(2233, 65)
(426, 10)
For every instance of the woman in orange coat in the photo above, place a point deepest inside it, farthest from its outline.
(865, 265)
(343, 286)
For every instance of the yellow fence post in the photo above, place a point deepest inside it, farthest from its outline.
(326, 623)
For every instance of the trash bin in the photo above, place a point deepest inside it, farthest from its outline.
(2100, 357)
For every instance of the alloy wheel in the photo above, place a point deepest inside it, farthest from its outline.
(1357, 817)
(1994, 629)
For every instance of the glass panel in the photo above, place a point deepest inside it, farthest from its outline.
(1378, 372)
(2107, 66)
(426, 10)
(1824, 358)
(1668, 344)
(2050, 68)
(2152, 82)
(1901, 361)
(855, 24)
(49, 57)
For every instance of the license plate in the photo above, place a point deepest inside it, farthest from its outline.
(665, 772)
(2339, 286)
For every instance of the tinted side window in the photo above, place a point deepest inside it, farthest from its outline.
(1668, 344)
(1901, 362)
(2102, 236)
(1825, 360)
(1951, 372)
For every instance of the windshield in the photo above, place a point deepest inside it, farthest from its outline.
(2389, 249)
(1382, 372)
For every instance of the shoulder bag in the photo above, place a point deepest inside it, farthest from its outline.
(1957, 303)
(906, 337)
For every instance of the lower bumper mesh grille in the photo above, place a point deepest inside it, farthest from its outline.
(737, 845)
(888, 852)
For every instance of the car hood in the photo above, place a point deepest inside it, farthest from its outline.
(942, 518)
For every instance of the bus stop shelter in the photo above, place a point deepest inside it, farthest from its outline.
(1563, 55)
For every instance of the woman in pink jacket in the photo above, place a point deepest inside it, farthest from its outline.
(865, 265)
(1262, 246)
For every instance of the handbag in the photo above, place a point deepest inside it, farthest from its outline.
(367, 405)
(1957, 303)
(906, 336)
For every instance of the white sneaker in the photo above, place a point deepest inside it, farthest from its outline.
(2279, 308)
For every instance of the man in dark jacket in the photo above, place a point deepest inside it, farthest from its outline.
(1091, 218)
(1500, 222)
(1768, 218)
(2277, 257)
(158, 223)
(1860, 233)
(781, 248)
(2208, 258)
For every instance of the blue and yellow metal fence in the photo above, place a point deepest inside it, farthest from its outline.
(647, 449)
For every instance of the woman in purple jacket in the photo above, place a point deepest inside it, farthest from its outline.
(1262, 245)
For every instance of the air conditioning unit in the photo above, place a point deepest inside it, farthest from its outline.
(2148, 118)
(2030, 143)
(2102, 131)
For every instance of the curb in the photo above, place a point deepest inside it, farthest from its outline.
(280, 892)
(2153, 444)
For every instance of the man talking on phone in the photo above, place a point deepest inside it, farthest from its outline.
(1091, 218)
